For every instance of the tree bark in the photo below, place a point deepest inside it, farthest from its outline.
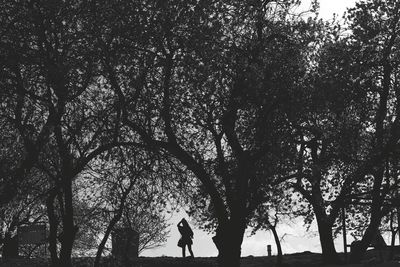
(398, 222)
(358, 251)
(329, 253)
(69, 228)
(392, 244)
(279, 261)
(324, 221)
(103, 242)
(10, 247)
(111, 225)
(53, 222)
(228, 240)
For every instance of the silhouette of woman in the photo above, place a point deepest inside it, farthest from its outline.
(186, 237)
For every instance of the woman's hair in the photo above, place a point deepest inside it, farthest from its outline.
(186, 225)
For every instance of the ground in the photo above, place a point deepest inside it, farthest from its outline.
(305, 259)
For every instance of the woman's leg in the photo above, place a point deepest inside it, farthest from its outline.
(190, 250)
(184, 251)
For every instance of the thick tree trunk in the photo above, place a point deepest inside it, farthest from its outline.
(69, 229)
(324, 221)
(329, 253)
(228, 241)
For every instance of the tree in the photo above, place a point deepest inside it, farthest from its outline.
(17, 54)
(26, 206)
(25, 209)
(129, 191)
(350, 127)
(208, 83)
(58, 101)
(375, 26)
(329, 133)
(278, 208)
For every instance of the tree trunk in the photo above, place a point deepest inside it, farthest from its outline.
(10, 246)
(53, 222)
(392, 244)
(69, 229)
(278, 245)
(359, 250)
(398, 223)
(329, 253)
(228, 241)
(324, 221)
(112, 223)
(393, 232)
(103, 242)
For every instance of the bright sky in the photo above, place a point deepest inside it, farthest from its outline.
(296, 239)
(329, 7)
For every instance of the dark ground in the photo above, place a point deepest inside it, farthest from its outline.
(305, 259)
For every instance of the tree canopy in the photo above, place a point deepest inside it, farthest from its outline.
(226, 106)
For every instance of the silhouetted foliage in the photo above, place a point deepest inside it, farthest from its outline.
(227, 106)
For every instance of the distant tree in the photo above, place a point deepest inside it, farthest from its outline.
(272, 213)
(129, 191)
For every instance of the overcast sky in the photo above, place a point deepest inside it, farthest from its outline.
(328, 7)
(296, 239)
